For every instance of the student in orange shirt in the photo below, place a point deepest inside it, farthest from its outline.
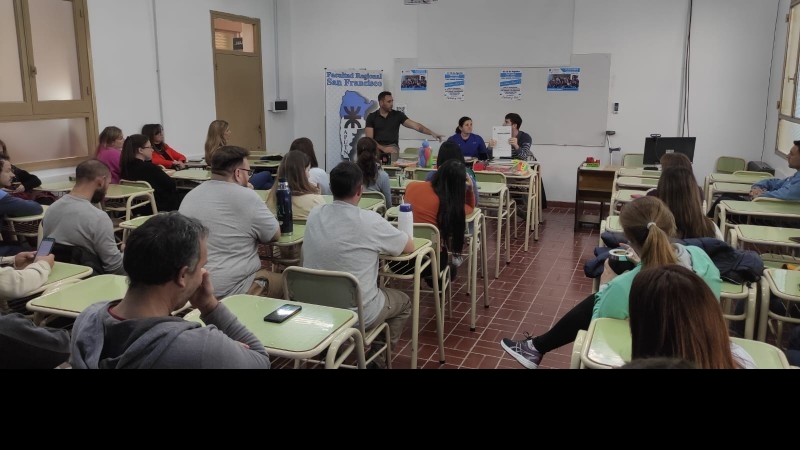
(445, 202)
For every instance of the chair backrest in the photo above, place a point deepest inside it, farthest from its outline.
(420, 173)
(324, 287)
(729, 164)
(374, 194)
(633, 160)
(139, 183)
(489, 176)
(430, 232)
(78, 255)
(753, 172)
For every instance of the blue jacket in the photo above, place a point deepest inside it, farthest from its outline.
(786, 189)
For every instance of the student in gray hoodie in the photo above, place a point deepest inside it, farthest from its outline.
(164, 259)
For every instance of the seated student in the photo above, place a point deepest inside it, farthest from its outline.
(305, 196)
(375, 178)
(677, 188)
(471, 144)
(317, 175)
(448, 151)
(140, 332)
(674, 314)
(136, 165)
(238, 220)
(219, 133)
(648, 225)
(337, 239)
(677, 160)
(444, 202)
(27, 181)
(11, 205)
(785, 189)
(109, 151)
(163, 154)
(73, 220)
(25, 345)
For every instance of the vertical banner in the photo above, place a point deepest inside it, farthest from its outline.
(511, 84)
(350, 95)
(454, 85)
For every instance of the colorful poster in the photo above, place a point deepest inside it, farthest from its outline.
(454, 85)
(563, 79)
(511, 84)
(414, 80)
(350, 95)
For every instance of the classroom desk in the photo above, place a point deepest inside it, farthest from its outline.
(58, 188)
(528, 185)
(639, 183)
(771, 209)
(190, 178)
(763, 235)
(25, 226)
(197, 164)
(593, 184)
(302, 336)
(608, 344)
(726, 188)
(785, 285)
(60, 274)
(424, 255)
(476, 237)
(71, 299)
(126, 198)
(623, 196)
(612, 224)
(497, 197)
(282, 251)
(130, 225)
(638, 172)
(747, 179)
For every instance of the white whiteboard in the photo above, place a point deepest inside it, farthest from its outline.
(469, 32)
(552, 117)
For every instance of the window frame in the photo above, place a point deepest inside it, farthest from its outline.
(30, 108)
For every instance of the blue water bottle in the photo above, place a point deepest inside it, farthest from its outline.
(284, 203)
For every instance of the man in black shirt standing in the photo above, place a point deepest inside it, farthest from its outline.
(383, 125)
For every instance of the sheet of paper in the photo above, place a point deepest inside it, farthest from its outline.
(501, 135)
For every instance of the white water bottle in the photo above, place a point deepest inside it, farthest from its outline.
(405, 220)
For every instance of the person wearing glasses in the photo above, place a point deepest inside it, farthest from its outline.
(163, 154)
(238, 221)
(74, 221)
(136, 165)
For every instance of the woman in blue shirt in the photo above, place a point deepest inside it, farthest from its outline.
(471, 144)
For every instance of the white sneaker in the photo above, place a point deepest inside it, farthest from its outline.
(458, 260)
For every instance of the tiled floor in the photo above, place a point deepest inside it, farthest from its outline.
(532, 292)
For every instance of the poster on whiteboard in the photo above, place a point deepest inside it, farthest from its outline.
(564, 79)
(454, 85)
(350, 95)
(511, 84)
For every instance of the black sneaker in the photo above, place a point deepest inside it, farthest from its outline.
(523, 351)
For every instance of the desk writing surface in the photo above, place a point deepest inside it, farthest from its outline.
(731, 188)
(74, 298)
(299, 333)
(610, 343)
(59, 186)
(768, 207)
(192, 174)
(768, 235)
(490, 188)
(637, 181)
(787, 282)
(62, 271)
(134, 223)
(741, 178)
(639, 172)
(298, 232)
(121, 190)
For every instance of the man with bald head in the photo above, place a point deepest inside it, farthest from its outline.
(74, 220)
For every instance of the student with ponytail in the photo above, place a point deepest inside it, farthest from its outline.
(649, 226)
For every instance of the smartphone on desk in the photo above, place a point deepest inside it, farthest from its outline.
(282, 313)
(46, 247)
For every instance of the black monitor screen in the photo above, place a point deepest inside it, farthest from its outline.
(656, 147)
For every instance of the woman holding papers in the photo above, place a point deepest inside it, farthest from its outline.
(471, 144)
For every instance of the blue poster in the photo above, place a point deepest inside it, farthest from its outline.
(414, 80)
(511, 84)
(563, 79)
